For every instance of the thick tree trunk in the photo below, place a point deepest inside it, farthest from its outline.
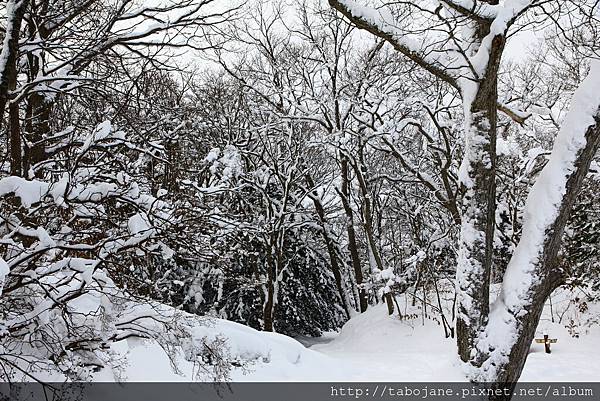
(10, 47)
(478, 207)
(511, 372)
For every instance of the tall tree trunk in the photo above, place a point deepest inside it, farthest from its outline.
(478, 172)
(352, 244)
(15, 10)
(40, 107)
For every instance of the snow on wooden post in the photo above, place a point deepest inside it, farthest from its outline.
(546, 341)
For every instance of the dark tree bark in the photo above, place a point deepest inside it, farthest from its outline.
(37, 127)
(8, 77)
(14, 128)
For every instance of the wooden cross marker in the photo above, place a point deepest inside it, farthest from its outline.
(546, 341)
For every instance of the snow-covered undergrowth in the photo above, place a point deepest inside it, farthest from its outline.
(370, 347)
(182, 347)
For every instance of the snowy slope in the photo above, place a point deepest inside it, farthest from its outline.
(370, 347)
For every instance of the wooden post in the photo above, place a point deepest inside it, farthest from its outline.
(546, 341)
(547, 344)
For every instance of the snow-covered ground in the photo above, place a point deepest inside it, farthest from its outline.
(374, 347)
(377, 348)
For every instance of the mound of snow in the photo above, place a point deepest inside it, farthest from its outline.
(264, 357)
